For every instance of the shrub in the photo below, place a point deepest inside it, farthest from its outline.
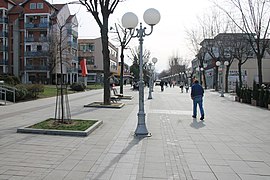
(261, 97)
(237, 89)
(78, 86)
(34, 90)
(248, 96)
(267, 98)
(21, 92)
(255, 91)
(10, 80)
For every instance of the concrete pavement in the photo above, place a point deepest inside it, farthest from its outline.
(232, 143)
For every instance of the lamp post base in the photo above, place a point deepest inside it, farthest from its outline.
(141, 129)
(144, 135)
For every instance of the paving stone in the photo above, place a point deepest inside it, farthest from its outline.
(232, 143)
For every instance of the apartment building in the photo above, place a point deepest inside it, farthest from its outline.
(5, 5)
(31, 51)
(225, 44)
(91, 50)
(65, 35)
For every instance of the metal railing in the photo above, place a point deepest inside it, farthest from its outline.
(3, 93)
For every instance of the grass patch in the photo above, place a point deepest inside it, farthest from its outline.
(94, 86)
(101, 105)
(73, 125)
(50, 90)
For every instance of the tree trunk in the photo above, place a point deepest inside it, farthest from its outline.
(106, 61)
(259, 61)
(240, 74)
(204, 80)
(122, 70)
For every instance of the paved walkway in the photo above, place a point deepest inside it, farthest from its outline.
(233, 143)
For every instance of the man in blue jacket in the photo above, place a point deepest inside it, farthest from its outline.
(197, 97)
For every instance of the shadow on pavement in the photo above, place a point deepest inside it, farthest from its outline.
(131, 144)
(197, 125)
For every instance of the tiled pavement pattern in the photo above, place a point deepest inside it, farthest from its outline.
(233, 143)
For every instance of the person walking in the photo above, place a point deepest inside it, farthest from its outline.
(197, 93)
(181, 86)
(162, 85)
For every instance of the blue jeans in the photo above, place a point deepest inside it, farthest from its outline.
(198, 100)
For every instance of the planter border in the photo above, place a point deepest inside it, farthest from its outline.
(61, 132)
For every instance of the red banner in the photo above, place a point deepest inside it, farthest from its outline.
(83, 67)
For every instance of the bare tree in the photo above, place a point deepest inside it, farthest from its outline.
(255, 21)
(101, 10)
(62, 56)
(123, 37)
(242, 52)
(211, 25)
(135, 55)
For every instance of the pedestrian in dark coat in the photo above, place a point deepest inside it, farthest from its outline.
(197, 93)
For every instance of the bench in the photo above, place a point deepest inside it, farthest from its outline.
(114, 99)
(116, 93)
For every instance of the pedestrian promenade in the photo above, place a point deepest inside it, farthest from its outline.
(233, 143)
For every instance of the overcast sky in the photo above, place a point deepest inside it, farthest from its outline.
(169, 36)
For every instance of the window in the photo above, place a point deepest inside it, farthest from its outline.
(39, 48)
(39, 5)
(28, 48)
(90, 47)
(81, 47)
(43, 34)
(33, 6)
(91, 60)
(30, 34)
(43, 19)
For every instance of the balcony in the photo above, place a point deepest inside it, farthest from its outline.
(36, 26)
(34, 39)
(3, 34)
(72, 70)
(3, 20)
(3, 48)
(36, 68)
(36, 53)
(3, 61)
(72, 32)
(73, 44)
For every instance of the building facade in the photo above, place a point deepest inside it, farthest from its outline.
(224, 47)
(5, 6)
(31, 52)
(91, 50)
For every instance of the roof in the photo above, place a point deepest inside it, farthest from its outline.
(69, 19)
(58, 6)
(17, 9)
(17, 2)
(25, 1)
(12, 2)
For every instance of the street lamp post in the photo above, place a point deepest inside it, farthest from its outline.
(221, 65)
(129, 21)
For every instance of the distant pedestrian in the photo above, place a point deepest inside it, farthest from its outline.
(181, 86)
(162, 85)
(197, 93)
